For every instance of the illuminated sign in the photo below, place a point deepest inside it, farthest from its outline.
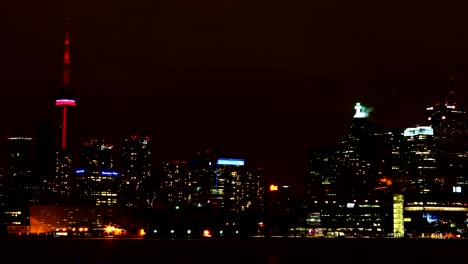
(80, 171)
(65, 102)
(109, 173)
(436, 209)
(421, 130)
(361, 111)
(19, 138)
(456, 189)
(273, 188)
(236, 162)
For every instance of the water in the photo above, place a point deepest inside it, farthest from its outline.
(238, 251)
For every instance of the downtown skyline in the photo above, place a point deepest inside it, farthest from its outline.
(241, 93)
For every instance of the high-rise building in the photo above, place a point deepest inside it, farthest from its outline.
(137, 187)
(22, 183)
(449, 122)
(98, 181)
(421, 161)
(342, 195)
(187, 184)
(235, 187)
(323, 180)
(62, 183)
(356, 154)
(177, 185)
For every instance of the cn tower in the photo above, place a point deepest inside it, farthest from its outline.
(64, 101)
(62, 183)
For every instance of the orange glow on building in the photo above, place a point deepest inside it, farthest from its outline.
(206, 233)
(273, 188)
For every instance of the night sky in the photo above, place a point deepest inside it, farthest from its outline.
(262, 80)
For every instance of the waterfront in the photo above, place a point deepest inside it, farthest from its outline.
(253, 250)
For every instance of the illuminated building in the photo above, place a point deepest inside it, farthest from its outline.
(177, 185)
(62, 183)
(355, 154)
(449, 122)
(436, 161)
(421, 161)
(322, 182)
(136, 163)
(357, 217)
(98, 181)
(22, 182)
(202, 172)
(60, 220)
(235, 187)
(342, 197)
(390, 169)
(281, 210)
(435, 218)
(185, 184)
(98, 187)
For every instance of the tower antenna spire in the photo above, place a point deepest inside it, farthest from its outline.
(66, 56)
(451, 95)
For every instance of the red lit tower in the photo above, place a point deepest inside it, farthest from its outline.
(65, 104)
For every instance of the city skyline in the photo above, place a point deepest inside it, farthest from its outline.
(264, 90)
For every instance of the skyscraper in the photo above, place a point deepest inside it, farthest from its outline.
(235, 186)
(356, 154)
(98, 181)
(136, 162)
(449, 122)
(421, 160)
(22, 183)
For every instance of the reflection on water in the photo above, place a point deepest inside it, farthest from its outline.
(123, 251)
(212, 251)
(272, 259)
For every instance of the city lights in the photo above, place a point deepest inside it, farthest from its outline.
(206, 233)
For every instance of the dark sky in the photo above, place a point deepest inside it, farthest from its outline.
(263, 80)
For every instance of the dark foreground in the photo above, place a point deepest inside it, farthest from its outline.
(254, 250)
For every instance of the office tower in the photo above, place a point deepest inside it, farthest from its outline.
(281, 214)
(322, 180)
(98, 181)
(202, 171)
(421, 161)
(45, 158)
(235, 187)
(390, 156)
(449, 122)
(342, 196)
(137, 184)
(187, 184)
(177, 185)
(62, 183)
(356, 154)
(22, 183)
